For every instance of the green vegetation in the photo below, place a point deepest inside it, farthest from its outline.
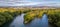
(29, 17)
(7, 14)
(53, 15)
(54, 19)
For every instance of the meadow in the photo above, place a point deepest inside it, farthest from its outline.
(8, 14)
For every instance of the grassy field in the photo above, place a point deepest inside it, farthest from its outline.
(7, 14)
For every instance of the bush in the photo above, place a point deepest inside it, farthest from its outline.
(54, 19)
(2, 19)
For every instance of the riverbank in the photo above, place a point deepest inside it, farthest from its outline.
(7, 14)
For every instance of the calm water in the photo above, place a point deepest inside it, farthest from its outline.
(37, 22)
(18, 22)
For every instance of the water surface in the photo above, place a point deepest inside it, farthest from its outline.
(37, 22)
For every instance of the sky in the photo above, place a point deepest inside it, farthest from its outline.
(29, 2)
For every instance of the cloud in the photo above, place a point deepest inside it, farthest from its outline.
(26, 4)
(29, 2)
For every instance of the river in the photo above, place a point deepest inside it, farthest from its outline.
(37, 22)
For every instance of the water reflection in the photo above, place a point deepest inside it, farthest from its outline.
(44, 21)
(18, 22)
(37, 22)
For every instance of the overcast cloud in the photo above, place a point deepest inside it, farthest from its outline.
(29, 2)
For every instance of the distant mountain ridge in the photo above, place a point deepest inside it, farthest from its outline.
(28, 6)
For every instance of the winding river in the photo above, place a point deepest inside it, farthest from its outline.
(37, 22)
